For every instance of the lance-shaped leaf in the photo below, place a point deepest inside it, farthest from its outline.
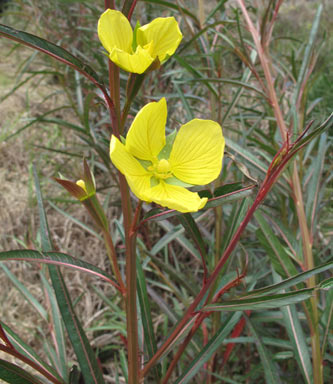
(90, 368)
(52, 50)
(13, 374)
(263, 302)
(55, 258)
(293, 281)
(24, 349)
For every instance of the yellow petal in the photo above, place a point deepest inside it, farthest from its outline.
(137, 62)
(140, 186)
(115, 31)
(137, 177)
(123, 160)
(165, 34)
(175, 197)
(146, 136)
(197, 152)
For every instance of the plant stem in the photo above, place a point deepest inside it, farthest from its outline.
(113, 260)
(130, 241)
(131, 311)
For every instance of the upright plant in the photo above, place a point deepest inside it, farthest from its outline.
(160, 169)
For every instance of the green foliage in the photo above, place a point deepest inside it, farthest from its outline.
(193, 268)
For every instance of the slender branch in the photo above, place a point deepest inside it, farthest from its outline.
(265, 66)
(130, 13)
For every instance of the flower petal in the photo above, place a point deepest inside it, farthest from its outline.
(197, 152)
(137, 62)
(115, 31)
(165, 34)
(137, 177)
(146, 136)
(175, 197)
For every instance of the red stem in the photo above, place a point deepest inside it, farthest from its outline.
(129, 16)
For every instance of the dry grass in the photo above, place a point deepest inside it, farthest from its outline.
(19, 218)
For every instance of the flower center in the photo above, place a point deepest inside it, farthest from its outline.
(161, 170)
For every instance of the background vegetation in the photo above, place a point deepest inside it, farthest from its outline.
(51, 117)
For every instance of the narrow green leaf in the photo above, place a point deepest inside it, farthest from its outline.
(50, 49)
(269, 368)
(248, 156)
(262, 302)
(91, 371)
(193, 231)
(292, 281)
(327, 284)
(26, 293)
(231, 82)
(14, 374)
(313, 186)
(222, 195)
(25, 349)
(147, 322)
(199, 76)
(55, 258)
(237, 215)
(174, 233)
(280, 259)
(177, 7)
(76, 221)
(209, 349)
(186, 105)
(298, 341)
(306, 63)
(61, 355)
(33, 121)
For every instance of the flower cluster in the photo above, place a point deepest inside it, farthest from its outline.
(159, 168)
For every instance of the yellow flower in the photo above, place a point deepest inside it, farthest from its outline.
(135, 52)
(158, 168)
